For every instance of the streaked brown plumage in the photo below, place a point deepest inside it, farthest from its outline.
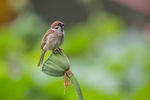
(52, 39)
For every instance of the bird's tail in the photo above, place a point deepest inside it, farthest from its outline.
(41, 58)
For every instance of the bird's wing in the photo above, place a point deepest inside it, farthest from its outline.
(45, 38)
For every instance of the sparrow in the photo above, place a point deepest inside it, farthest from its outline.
(52, 39)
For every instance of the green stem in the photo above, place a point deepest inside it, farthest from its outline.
(76, 86)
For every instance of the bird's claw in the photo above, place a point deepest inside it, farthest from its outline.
(61, 49)
(57, 51)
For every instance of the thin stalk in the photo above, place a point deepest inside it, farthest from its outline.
(76, 86)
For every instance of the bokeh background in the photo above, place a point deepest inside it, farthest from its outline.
(107, 42)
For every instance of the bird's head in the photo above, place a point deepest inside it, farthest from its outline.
(58, 26)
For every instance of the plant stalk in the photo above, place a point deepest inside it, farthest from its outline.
(76, 85)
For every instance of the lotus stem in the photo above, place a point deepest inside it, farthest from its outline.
(76, 85)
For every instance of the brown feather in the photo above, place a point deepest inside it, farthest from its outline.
(55, 23)
(45, 38)
(41, 58)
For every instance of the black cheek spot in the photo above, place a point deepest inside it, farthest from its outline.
(62, 29)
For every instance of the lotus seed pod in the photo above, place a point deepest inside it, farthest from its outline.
(56, 64)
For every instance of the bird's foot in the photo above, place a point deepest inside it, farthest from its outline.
(55, 51)
(61, 49)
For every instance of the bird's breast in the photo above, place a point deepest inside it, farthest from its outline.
(54, 41)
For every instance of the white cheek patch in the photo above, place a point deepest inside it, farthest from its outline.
(57, 30)
(52, 29)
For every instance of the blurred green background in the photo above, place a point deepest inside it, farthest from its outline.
(108, 44)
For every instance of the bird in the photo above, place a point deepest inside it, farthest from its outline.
(52, 39)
